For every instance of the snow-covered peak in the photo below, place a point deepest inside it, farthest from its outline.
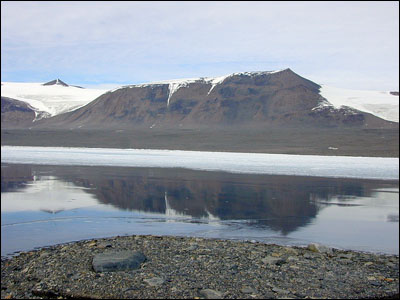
(52, 99)
(176, 84)
(381, 104)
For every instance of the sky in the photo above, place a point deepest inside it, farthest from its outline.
(107, 44)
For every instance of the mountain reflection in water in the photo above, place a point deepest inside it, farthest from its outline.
(280, 203)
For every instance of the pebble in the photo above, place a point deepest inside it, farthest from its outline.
(210, 294)
(155, 281)
(248, 290)
(319, 248)
(193, 268)
(270, 260)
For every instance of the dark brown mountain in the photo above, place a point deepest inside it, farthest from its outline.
(15, 113)
(263, 99)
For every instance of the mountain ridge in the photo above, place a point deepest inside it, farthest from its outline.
(265, 98)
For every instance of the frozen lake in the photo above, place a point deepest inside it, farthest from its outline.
(247, 163)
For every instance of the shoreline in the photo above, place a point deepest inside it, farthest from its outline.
(304, 141)
(189, 267)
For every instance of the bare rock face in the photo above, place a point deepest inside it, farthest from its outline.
(15, 113)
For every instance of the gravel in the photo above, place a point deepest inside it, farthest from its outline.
(197, 268)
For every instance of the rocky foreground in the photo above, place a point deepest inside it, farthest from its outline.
(176, 267)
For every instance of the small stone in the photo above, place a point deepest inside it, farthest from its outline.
(380, 277)
(345, 256)
(291, 251)
(192, 247)
(280, 291)
(210, 294)
(104, 245)
(390, 265)
(129, 289)
(292, 259)
(375, 283)
(92, 244)
(308, 256)
(345, 261)
(155, 281)
(319, 248)
(269, 260)
(44, 255)
(248, 290)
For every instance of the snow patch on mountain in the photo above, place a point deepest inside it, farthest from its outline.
(381, 104)
(173, 86)
(49, 100)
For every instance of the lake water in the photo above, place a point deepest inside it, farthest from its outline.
(43, 205)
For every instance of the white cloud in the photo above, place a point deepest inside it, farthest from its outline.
(141, 41)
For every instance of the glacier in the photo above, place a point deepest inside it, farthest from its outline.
(53, 99)
(381, 104)
(381, 168)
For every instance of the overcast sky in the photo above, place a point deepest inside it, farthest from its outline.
(343, 44)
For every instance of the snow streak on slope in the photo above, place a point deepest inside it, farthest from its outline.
(51, 99)
(381, 104)
(247, 163)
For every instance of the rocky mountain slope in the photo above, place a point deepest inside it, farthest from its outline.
(278, 98)
(16, 113)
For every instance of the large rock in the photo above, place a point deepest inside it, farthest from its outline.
(118, 261)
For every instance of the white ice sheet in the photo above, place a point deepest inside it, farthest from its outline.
(255, 163)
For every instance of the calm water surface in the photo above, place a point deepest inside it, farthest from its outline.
(46, 205)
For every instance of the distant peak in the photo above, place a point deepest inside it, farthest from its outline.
(56, 82)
